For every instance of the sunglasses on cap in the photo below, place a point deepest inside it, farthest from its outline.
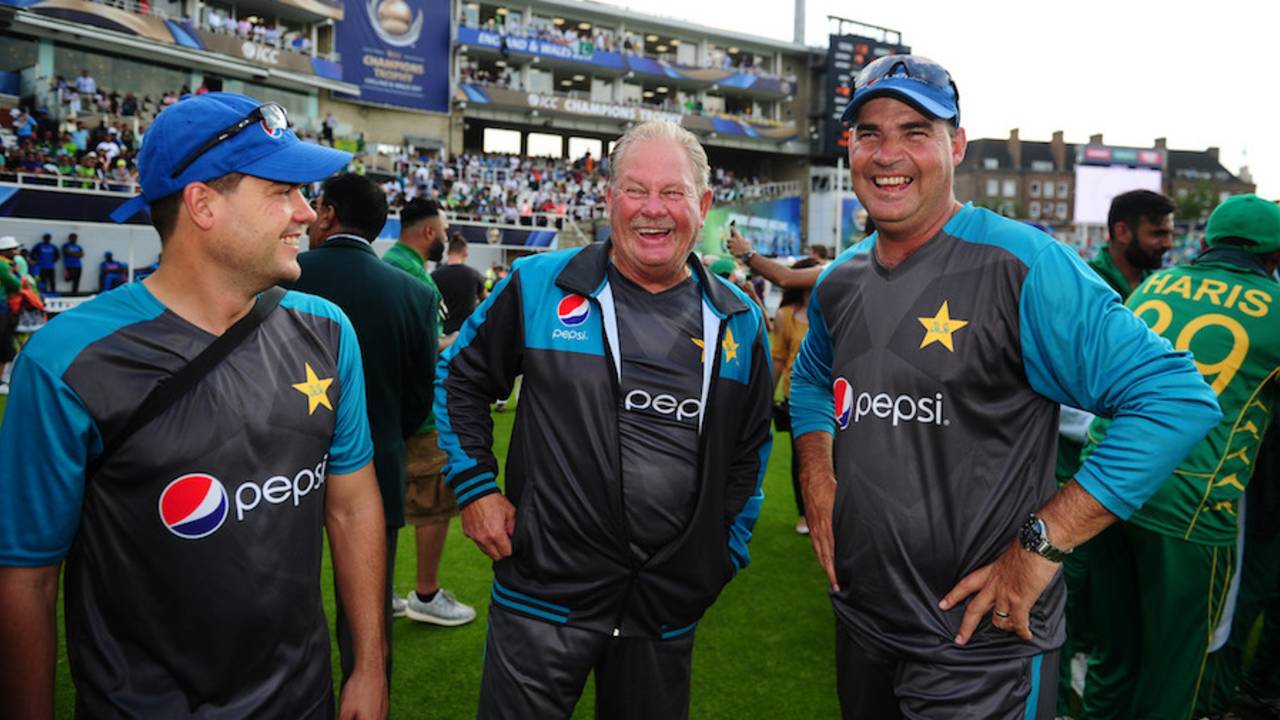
(272, 116)
(911, 67)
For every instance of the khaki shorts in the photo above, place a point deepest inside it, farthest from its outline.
(427, 499)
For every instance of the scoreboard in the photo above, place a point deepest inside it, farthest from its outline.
(846, 56)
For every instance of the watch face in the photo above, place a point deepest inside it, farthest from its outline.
(1031, 534)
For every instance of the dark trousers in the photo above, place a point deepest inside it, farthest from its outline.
(48, 279)
(343, 629)
(782, 422)
(8, 328)
(535, 670)
(73, 275)
(873, 686)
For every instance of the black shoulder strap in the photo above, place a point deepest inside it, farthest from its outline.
(178, 384)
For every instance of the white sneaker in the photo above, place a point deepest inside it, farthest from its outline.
(444, 609)
(802, 526)
(398, 606)
(4, 388)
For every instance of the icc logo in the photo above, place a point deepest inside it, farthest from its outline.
(193, 506)
(843, 392)
(573, 310)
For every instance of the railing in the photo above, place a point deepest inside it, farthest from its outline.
(547, 220)
(619, 48)
(71, 182)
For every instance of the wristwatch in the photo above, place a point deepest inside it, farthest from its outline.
(1035, 537)
(746, 257)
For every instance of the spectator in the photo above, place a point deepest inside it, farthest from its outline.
(73, 261)
(86, 86)
(80, 136)
(326, 129)
(10, 284)
(461, 286)
(46, 256)
(111, 273)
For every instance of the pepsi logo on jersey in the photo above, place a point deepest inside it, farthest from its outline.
(897, 409)
(573, 311)
(843, 392)
(195, 505)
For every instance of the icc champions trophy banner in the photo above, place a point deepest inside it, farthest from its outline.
(397, 51)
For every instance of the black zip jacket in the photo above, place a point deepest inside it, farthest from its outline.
(552, 320)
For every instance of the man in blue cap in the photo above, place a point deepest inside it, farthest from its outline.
(192, 544)
(945, 343)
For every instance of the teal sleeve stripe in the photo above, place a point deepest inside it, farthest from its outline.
(1101, 358)
(744, 523)
(459, 461)
(352, 444)
(812, 401)
(45, 443)
(486, 489)
(476, 480)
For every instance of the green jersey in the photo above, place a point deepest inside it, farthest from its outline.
(407, 259)
(1107, 270)
(1222, 309)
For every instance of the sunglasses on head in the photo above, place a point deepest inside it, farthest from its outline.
(272, 116)
(908, 66)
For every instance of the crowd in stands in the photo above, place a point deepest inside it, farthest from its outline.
(258, 30)
(473, 73)
(71, 99)
(71, 153)
(515, 189)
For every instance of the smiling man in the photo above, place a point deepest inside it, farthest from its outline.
(192, 542)
(642, 436)
(944, 343)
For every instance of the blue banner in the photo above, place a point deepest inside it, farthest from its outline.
(397, 52)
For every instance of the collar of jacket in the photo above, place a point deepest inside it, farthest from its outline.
(586, 273)
(346, 240)
(1242, 259)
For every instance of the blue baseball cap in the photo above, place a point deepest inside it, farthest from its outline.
(203, 137)
(917, 81)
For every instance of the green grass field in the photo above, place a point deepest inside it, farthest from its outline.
(765, 650)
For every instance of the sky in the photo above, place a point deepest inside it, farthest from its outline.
(1199, 74)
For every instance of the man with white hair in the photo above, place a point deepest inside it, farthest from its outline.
(633, 481)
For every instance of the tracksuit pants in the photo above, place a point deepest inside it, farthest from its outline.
(1156, 602)
(1259, 595)
(535, 670)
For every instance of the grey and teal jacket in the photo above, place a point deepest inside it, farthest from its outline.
(571, 562)
(940, 380)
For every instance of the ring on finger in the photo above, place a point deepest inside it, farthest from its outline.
(1001, 614)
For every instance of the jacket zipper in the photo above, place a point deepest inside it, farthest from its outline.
(616, 370)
